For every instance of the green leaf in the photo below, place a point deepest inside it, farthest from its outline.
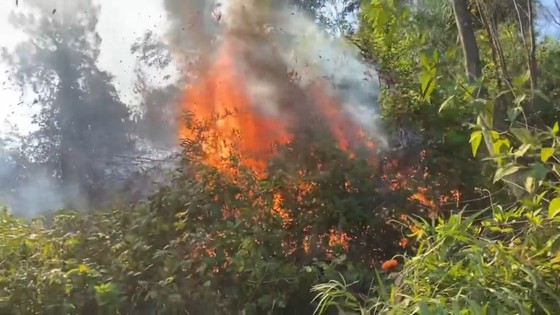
(538, 171)
(523, 135)
(546, 153)
(513, 113)
(520, 80)
(530, 184)
(476, 139)
(498, 144)
(520, 99)
(450, 53)
(555, 128)
(446, 103)
(424, 61)
(556, 169)
(522, 150)
(540, 197)
(83, 268)
(553, 208)
(428, 85)
(554, 244)
(424, 309)
(505, 171)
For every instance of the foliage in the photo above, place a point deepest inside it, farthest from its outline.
(423, 63)
(502, 264)
(335, 16)
(502, 259)
(191, 246)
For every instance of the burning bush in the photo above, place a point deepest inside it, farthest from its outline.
(215, 235)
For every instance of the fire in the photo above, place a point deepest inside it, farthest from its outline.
(221, 99)
(236, 126)
(277, 208)
(331, 113)
(401, 179)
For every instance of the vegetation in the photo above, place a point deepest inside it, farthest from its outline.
(326, 233)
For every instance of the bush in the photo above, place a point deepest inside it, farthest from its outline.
(206, 242)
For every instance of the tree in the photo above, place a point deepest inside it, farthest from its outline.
(82, 123)
(337, 16)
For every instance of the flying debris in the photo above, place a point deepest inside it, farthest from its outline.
(217, 12)
(260, 104)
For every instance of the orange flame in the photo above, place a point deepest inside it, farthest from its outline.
(221, 99)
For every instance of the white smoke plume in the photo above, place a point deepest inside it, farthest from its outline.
(272, 38)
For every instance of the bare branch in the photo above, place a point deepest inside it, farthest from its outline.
(526, 27)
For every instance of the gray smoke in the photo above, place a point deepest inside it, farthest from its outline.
(352, 79)
(29, 190)
(270, 41)
(86, 145)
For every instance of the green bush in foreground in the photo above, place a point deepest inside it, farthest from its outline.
(503, 264)
(503, 260)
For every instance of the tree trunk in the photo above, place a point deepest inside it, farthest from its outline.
(472, 57)
(474, 71)
(468, 39)
(533, 67)
(525, 15)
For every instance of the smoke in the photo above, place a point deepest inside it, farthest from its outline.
(339, 63)
(59, 63)
(37, 196)
(270, 39)
(70, 160)
(29, 190)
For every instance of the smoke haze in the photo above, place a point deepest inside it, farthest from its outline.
(86, 143)
(269, 41)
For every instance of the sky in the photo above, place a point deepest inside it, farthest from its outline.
(546, 25)
(121, 23)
